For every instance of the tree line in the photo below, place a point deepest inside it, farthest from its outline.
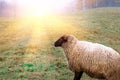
(7, 9)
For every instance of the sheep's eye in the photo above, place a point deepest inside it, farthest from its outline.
(64, 39)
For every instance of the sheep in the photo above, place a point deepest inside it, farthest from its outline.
(96, 60)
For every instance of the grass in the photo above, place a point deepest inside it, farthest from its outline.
(26, 46)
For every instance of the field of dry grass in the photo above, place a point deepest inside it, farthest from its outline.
(26, 45)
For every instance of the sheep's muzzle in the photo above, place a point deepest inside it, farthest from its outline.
(58, 43)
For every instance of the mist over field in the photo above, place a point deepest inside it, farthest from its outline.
(29, 28)
(15, 8)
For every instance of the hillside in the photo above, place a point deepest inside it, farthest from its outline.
(26, 45)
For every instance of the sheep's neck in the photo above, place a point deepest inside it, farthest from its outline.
(71, 57)
(68, 47)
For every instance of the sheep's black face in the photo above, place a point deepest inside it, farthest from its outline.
(60, 41)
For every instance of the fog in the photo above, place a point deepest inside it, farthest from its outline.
(13, 8)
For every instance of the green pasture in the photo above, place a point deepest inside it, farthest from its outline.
(27, 49)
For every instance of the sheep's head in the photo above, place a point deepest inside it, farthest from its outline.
(61, 40)
(65, 39)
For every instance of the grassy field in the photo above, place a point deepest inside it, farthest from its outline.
(26, 45)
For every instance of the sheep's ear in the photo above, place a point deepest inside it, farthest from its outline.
(72, 39)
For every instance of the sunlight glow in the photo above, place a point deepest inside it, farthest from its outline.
(37, 8)
(38, 34)
(38, 31)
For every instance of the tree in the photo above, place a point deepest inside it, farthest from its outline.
(15, 8)
(2, 7)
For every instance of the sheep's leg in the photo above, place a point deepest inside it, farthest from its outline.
(78, 75)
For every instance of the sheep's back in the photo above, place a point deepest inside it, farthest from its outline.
(95, 57)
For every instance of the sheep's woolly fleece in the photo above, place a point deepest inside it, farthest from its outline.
(92, 58)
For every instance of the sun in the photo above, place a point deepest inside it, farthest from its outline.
(37, 8)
